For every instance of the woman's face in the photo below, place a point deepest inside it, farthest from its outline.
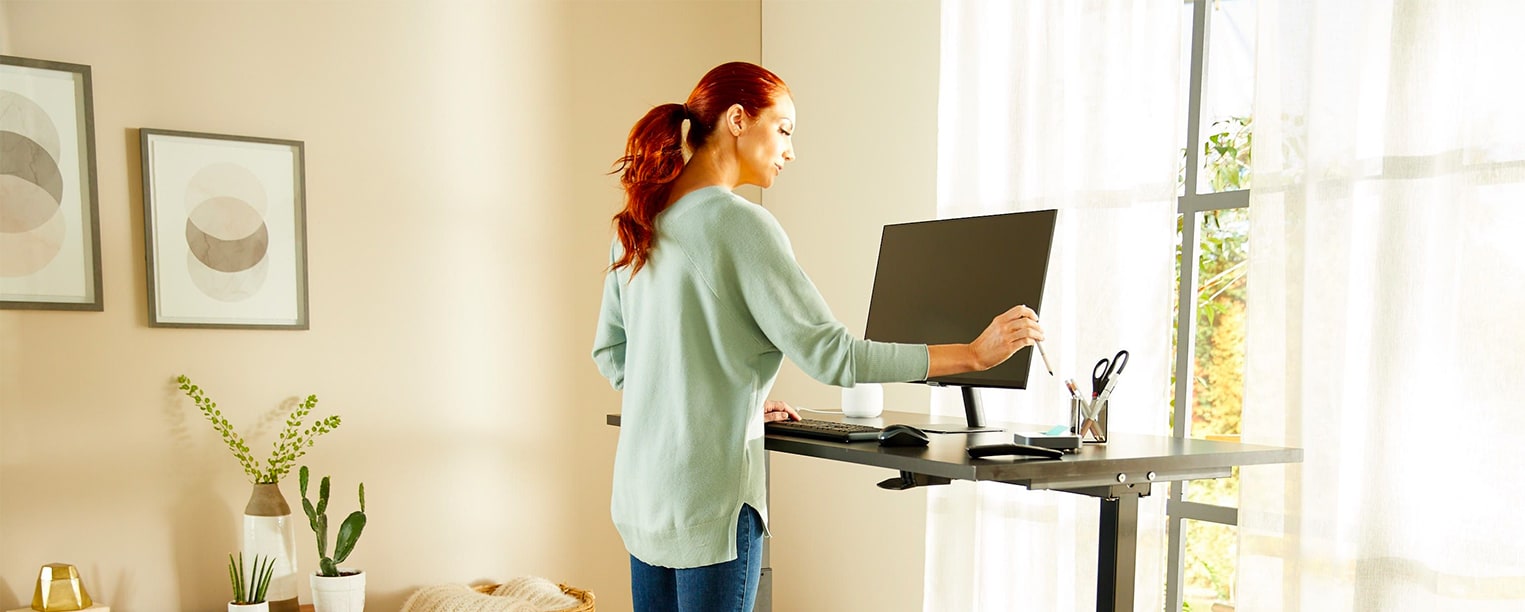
(766, 143)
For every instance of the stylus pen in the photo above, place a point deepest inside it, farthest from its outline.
(1045, 358)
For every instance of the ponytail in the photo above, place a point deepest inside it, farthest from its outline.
(653, 158)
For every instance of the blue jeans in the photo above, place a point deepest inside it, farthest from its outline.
(722, 587)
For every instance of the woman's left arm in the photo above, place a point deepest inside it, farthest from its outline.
(609, 339)
(790, 311)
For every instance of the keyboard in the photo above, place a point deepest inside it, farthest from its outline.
(825, 430)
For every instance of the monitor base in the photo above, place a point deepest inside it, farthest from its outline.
(950, 428)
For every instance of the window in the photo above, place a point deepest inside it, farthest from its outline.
(1218, 53)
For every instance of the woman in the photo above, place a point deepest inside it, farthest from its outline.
(702, 302)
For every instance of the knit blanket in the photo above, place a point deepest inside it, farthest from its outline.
(524, 594)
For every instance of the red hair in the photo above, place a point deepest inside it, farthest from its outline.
(654, 153)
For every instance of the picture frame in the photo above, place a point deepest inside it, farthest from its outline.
(224, 230)
(50, 249)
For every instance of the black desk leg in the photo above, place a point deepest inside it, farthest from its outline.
(1118, 553)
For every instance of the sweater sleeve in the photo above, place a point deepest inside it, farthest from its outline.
(609, 339)
(790, 311)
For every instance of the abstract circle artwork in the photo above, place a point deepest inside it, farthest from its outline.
(225, 233)
(31, 187)
(223, 218)
(49, 239)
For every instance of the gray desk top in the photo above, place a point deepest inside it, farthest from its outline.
(1125, 458)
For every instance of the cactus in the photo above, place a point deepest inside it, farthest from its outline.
(317, 517)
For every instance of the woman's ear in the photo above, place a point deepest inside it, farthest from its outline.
(736, 119)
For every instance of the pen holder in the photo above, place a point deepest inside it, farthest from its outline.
(1089, 420)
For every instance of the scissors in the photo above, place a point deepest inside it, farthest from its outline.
(1105, 369)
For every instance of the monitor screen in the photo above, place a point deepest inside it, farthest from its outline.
(941, 282)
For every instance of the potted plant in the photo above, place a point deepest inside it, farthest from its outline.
(249, 589)
(334, 589)
(267, 526)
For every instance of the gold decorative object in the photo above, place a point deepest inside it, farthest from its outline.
(59, 589)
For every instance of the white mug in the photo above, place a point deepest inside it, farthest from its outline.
(863, 401)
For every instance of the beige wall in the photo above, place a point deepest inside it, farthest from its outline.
(457, 218)
(864, 74)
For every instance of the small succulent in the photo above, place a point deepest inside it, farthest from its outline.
(258, 581)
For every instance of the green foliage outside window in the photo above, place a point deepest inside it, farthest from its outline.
(1226, 153)
(1218, 356)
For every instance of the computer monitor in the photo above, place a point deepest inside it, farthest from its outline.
(942, 281)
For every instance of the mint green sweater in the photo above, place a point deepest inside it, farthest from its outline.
(695, 340)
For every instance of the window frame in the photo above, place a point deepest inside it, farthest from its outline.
(1189, 205)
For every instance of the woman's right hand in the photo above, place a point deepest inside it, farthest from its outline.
(1008, 333)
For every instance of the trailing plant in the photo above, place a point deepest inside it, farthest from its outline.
(292, 444)
(258, 584)
(317, 517)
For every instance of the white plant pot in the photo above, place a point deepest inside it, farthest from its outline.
(338, 594)
(263, 606)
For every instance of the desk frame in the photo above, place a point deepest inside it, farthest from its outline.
(1118, 473)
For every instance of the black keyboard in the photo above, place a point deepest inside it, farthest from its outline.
(825, 430)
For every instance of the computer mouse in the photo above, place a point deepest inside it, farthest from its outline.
(902, 435)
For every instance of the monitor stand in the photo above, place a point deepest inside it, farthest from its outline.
(974, 415)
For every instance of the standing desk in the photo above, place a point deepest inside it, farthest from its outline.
(1118, 473)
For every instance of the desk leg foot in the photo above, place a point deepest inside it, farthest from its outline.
(1118, 553)
(908, 480)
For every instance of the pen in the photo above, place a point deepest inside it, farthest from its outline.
(1085, 408)
(1106, 391)
(1045, 358)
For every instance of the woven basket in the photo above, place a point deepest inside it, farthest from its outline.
(585, 597)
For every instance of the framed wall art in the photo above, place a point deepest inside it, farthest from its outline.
(50, 241)
(224, 226)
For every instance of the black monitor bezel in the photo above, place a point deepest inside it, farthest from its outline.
(965, 379)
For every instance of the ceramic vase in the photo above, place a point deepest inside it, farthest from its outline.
(339, 593)
(263, 606)
(268, 532)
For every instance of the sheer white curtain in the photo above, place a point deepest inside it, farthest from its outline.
(1068, 105)
(1387, 308)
